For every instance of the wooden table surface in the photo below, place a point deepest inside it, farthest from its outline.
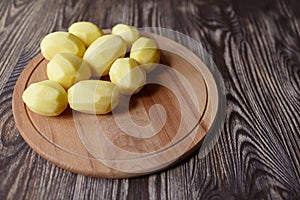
(256, 47)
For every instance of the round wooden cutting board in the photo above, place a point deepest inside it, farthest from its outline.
(147, 132)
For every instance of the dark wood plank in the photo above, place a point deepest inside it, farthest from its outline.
(256, 46)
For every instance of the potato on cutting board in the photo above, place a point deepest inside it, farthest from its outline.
(127, 75)
(129, 33)
(46, 98)
(145, 52)
(93, 96)
(103, 52)
(86, 31)
(60, 42)
(66, 69)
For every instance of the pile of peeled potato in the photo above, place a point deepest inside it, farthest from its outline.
(84, 52)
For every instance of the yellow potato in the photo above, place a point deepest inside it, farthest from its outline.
(93, 96)
(103, 52)
(145, 52)
(127, 75)
(59, 42)
(46, 98)
(128, 33)
(66, 69)
(86, 31)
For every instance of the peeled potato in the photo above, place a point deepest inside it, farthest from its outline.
(128, 33)
(93, 96)
(145, 52)
(127, 75)
(46, 98)
(66, 69)
(103, 52)
(60, 42)
(86, 31)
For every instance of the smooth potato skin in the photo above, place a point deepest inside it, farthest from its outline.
(46, 98)
(127, 75)
(129, 33)
(66, 69)
(93, 96)
(60, 42)
(86, 31)
(103, 52)
(146, 53)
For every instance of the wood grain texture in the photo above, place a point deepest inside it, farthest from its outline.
(256, 46)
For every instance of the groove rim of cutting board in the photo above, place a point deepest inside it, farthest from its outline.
(87, 165)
